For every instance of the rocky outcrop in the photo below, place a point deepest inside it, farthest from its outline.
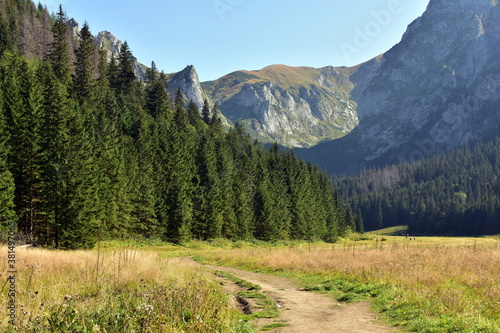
(437, 89)
(294, 106)
(188, 82)
(112, 45)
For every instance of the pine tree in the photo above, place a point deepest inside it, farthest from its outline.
(179, 99)
(205, 113)
(111, 148)
(208, 201)
(151, 73)
(23, 107)
(7, 187)
(54, 150)
(84, 66)
(144, 188)
(156, 94)
(180, 173)
(243, 183)
(58, 55)
(78, 221)
(193, 114)
(112, 74)
(126, 75)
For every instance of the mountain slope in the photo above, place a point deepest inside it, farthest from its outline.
(435, 90)
(294, 106)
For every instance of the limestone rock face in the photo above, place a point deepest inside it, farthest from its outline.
(112, 45)
(188, 82)
(437, 89)
(294, 106)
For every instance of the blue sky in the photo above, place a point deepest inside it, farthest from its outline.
(222, 36)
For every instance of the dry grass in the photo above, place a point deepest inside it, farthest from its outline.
(441, 282)
(123, 290)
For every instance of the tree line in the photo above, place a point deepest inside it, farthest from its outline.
(88, 152)
(454, 193)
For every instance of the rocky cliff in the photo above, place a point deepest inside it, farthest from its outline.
(188, 82)
(437, 89)
(294, 106)
(112, 45)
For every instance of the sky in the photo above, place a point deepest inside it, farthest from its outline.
(222, 36)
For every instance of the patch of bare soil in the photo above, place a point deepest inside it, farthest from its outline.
(305, 311)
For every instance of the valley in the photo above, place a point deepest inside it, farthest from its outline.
(373, 282)
(285, 199)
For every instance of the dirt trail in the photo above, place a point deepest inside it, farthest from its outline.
(307, 311)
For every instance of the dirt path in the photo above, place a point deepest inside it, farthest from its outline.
(308, 312)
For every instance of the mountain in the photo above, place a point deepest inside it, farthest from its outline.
(107, 41)
(294, 106)
(188, 82)
(435, 90)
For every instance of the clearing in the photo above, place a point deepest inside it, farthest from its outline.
(304, 311)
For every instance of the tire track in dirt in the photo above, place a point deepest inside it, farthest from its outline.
(308, 312)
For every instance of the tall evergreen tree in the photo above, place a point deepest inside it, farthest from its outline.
(205, 112)
(156, 94)
(59, 56)
(7, 187)
(23, 106)
(126, 75)
(54, 149)
(84, 66)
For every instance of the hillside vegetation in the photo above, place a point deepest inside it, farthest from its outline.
(457, 192)
(88, 153)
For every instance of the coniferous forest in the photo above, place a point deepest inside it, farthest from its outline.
(455, 193)
(88, 152)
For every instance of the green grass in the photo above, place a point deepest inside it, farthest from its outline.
(432, 284)
(272, 326)
(266, 305)
(240, 282)
(392, 231)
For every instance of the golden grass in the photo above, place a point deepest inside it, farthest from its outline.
(438, 277)
(113, 291)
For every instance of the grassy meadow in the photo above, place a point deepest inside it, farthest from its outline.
(114, 290)
(430, 284)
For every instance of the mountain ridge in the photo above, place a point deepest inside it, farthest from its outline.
(295, 106)
(435, 90)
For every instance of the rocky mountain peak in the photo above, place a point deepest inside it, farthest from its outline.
(188, 82)
(441, 6)
(74, 27)
(435, 90)
(112, 46)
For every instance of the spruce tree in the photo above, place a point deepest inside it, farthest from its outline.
(208, 201)
(144, 188)
(179, 99)
(84, 66)
(54, 150)
(193, 113)
(205, 112)
(126, 75)
(180, 173)
(7, 187)
(23, 107)
(156, 94)
(58, 55)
